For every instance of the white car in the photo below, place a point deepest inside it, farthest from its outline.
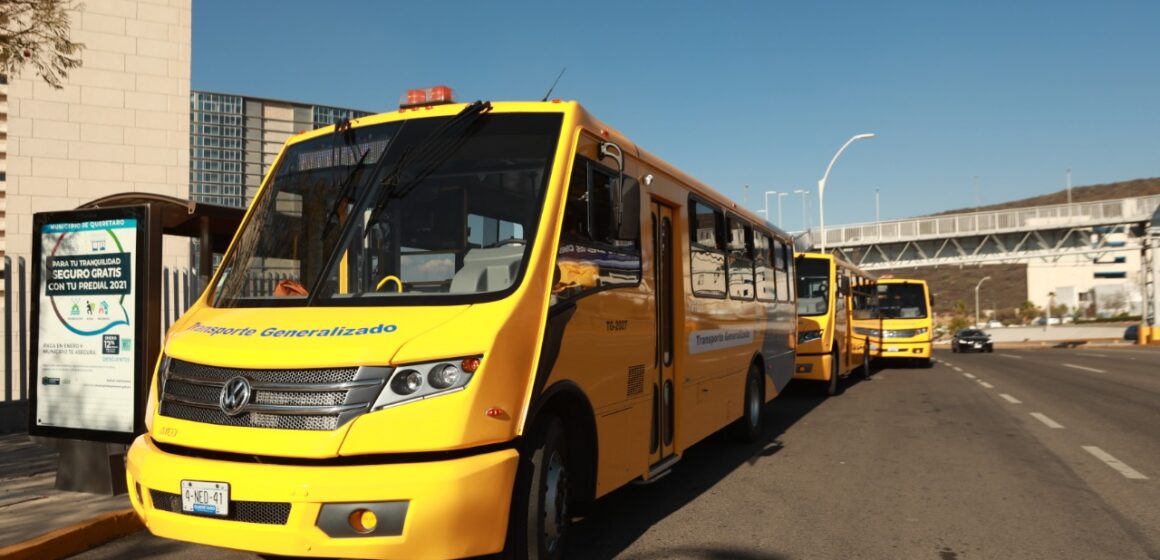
(993, 324)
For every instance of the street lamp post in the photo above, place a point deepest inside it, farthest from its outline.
(779, 195)
(803, 192)
(766, 199)
(985, 278)
(822, 185)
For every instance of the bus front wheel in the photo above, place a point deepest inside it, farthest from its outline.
(835, 386)
(540, 506)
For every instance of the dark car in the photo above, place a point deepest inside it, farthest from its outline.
(1132, 333)
(968, 340)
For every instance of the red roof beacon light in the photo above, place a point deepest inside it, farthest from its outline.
(427, 97)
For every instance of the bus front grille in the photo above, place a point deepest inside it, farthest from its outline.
(265, 513)
(308, 399)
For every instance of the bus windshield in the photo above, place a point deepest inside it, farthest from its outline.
(813, 286)
(424, 211)
(900, 301)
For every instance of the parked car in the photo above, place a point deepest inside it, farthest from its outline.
(971, 340)
(1132, 333)
(993, 324)
(1047, 321)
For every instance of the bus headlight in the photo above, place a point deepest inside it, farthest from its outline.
(443, 376)
(406, 382)
(866, 331)
(808, 336)
(412, 382)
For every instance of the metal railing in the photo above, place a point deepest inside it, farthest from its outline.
(1104, 212)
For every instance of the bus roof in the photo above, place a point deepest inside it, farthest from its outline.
(841, 262)
(584, 119)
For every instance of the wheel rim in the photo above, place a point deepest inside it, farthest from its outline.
(555, 502)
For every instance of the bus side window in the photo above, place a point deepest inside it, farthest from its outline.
(781, 270)
(707, 249)
(589, 258)
(740, 260)
(763, 268)
(576, 205)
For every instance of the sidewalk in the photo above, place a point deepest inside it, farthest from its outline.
(37, 521)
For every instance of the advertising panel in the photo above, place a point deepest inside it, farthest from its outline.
(87, 318)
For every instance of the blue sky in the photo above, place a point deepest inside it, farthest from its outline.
(754, 93)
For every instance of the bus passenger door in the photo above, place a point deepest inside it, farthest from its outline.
(663, 418)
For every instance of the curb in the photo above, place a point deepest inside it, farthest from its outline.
(78, 538)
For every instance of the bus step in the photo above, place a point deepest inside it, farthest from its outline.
(659, 470)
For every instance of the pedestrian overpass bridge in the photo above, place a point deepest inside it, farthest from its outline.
(1050, 234)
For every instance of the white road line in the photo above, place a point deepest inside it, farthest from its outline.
(1012, 356)
(1073, 366)
(969, 375)
(985, 384)
(1098, 355)
(1010, 399)
(1049, 422)
(957, 368)
(1115, 463)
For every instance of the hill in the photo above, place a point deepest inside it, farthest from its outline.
(1089, 193)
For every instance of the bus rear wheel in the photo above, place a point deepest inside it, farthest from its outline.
(542, 500)
(748, 428)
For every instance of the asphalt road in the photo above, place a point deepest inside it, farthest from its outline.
(1015, 454)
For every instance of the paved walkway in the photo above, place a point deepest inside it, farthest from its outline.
(37, 520)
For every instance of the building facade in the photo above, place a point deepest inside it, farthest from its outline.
(120, 123)
(233, 140)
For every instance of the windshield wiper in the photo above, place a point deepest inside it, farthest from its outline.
(428, 151)
(390, 186)
(348, 182)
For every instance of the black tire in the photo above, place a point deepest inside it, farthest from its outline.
(541, 501)
(954, 348)
(866, 362)
(834, 387)
(748, 427)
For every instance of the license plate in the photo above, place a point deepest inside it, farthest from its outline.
(891, 348)
(978, 345)
(205, 498)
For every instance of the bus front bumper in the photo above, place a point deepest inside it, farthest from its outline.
(892, 349)
(438, 509)
(813, 367)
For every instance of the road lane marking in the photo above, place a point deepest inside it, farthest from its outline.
(1115, 463)
(1049, 422)
(1073, 366)
(957, 368)
(1012, 356)
(1098, 355)
(985, 384)
(969, 375)
(1010, 399)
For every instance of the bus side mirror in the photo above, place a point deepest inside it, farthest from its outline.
(625, 197)
(628, 210)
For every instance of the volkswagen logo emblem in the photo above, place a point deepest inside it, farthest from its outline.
(235, 396)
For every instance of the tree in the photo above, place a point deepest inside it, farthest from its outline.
(36, 33)
(1028, 311)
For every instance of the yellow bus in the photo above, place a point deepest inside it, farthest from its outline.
(828, 301)
(440, 330)
(899, 321)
